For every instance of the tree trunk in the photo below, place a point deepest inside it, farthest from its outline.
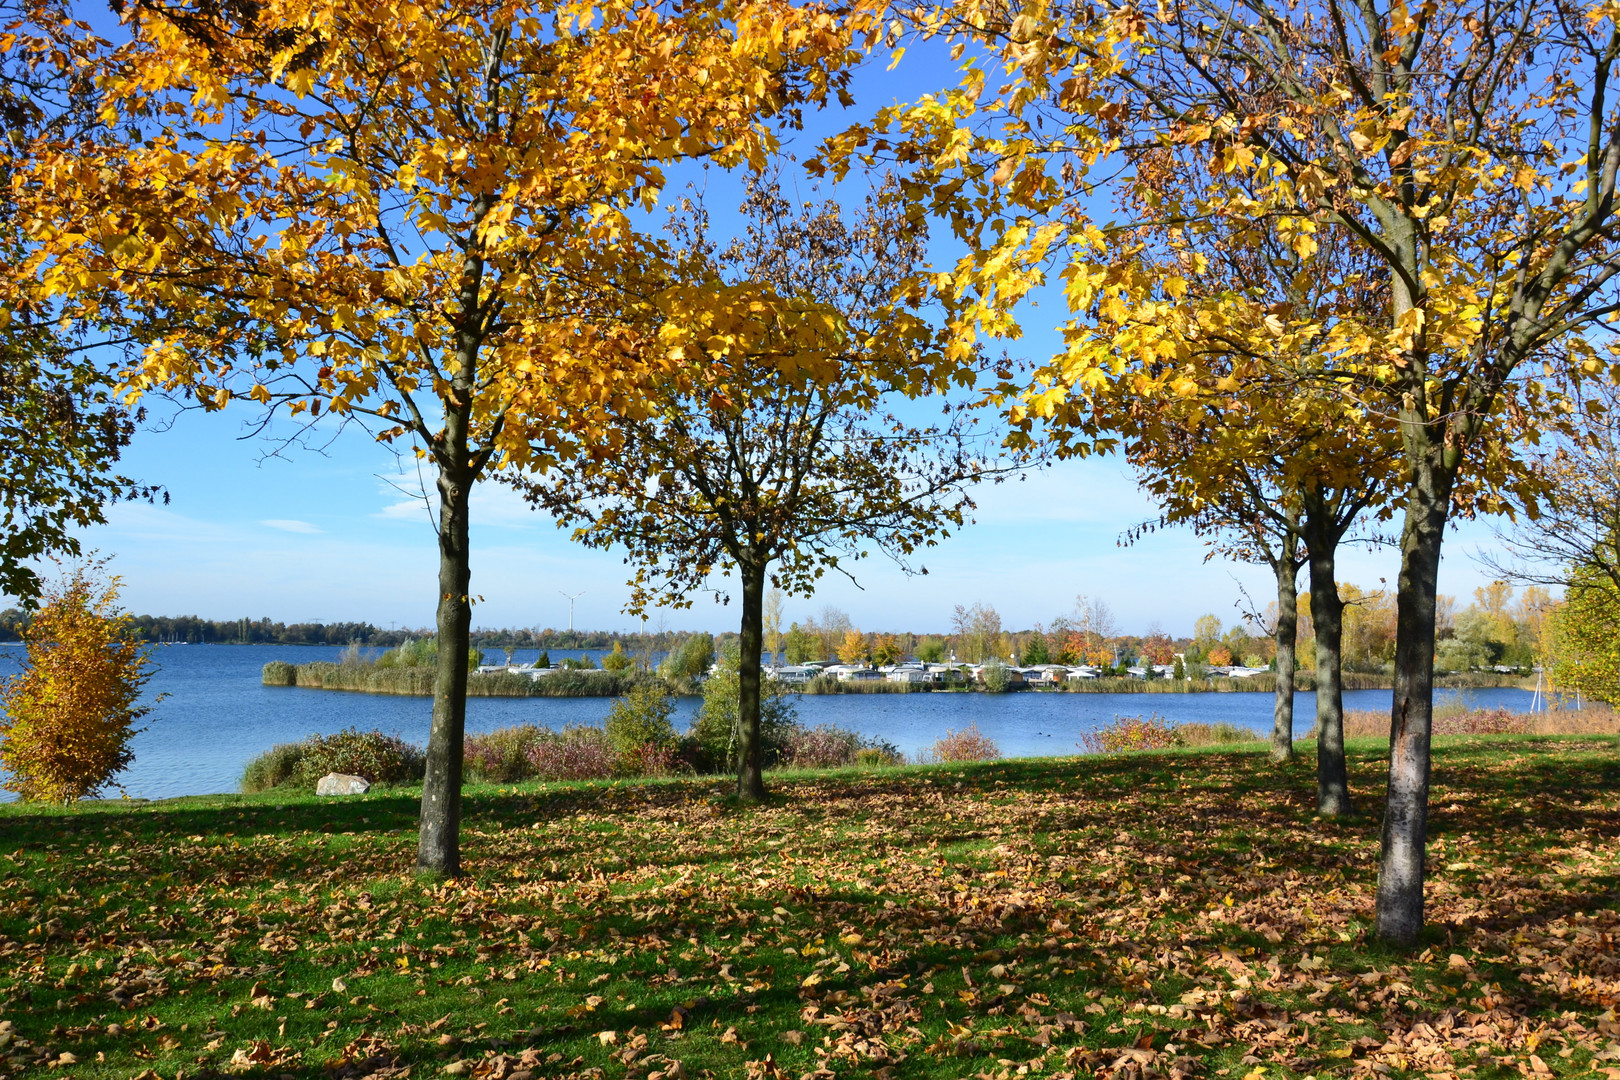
(438, 852)
(1282, 726)
(1406, 815)
(750, 763)
(1327, 611)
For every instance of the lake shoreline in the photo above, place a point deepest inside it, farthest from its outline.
(212, 714)
(418, 682)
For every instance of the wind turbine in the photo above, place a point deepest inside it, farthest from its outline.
(571, 600)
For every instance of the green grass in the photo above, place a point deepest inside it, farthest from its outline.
(1183, 908)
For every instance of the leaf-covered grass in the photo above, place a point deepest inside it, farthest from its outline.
(1164, 913)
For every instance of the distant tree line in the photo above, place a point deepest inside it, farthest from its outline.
(195, 630)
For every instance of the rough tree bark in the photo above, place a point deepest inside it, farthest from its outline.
(1406, 815)
(438, 852)
(750, 764)
(1327, 616)
(1287, 635)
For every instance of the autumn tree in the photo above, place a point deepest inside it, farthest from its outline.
(1258, 495)
(853, 649)
(1584, 634)
(70, 715)
(975, 629)
(1573, 542)
(771, 621)
(1157, 648)
(1091, 631)
(1577, 527)
(62, 428)
(771, 452)
(1470, 150)
(404, 215)
(1278, 495)
(828, 629)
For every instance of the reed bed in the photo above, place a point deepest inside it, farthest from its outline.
(826, 684)
(418, 681)
(1457, 719)
(1127, 685)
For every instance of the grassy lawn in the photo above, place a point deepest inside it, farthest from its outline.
(1171, 914)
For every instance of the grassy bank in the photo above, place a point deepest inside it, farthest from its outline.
(1179, 913)
(370, 679)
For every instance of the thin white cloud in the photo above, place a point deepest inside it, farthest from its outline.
(292, 525)
(494, 504)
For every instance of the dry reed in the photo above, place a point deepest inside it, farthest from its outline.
(1592, 720)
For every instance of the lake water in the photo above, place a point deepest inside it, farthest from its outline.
(218, 715)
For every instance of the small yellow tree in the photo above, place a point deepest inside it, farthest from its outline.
(71, 714)
(853, 650)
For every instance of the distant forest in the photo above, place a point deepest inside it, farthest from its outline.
(198, 631)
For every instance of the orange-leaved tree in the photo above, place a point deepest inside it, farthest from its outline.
(70, 715)
(1469, 150)
(404, 214)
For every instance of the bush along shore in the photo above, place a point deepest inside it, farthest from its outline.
(628, 747)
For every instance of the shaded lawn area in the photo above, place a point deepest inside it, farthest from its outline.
(1168, 914)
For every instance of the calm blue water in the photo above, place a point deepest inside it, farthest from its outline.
(218, 715)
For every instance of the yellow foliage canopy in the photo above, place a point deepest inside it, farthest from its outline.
(345, 206)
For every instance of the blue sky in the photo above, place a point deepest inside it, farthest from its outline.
(330, 536)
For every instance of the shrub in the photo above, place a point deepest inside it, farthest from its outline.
(580, 663)
(574, 753)
(1131, 733)
(279, 673)
(641, 718)
(273, 768)
(820, 747)
(689, 662)
(501, 756)
(1223, 733)
(714, 729)
(381, 759)
(996, 677)
(969, 744)
(422, 652)
(880, 754)
(651, 759)
(1497, 721)
(618, 659)
(70, 715)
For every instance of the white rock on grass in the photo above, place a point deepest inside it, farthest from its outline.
(334, 783)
